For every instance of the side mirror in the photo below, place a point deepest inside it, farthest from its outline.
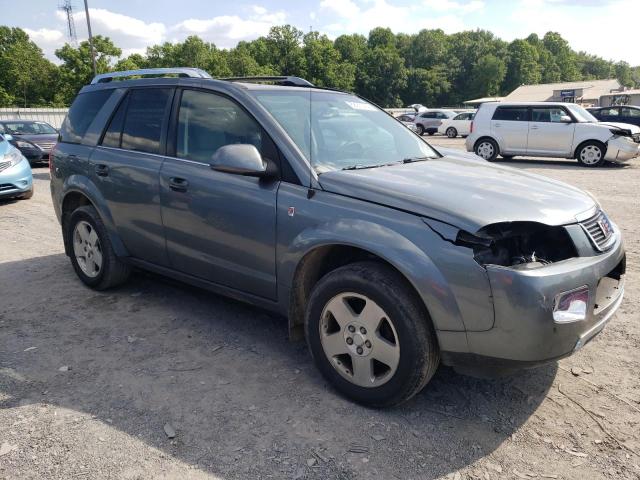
(239, 159)
(566, 119)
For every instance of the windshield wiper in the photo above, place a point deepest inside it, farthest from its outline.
(360, 167)
(414, 159)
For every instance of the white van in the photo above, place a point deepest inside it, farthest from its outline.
(547, 129)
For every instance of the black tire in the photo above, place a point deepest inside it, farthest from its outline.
(506, 157)
(585, 151)
(419, 354)
(452, 132)
(113, 271)
(420, 129)
(28, 195)
(479, 150)
(431, 133)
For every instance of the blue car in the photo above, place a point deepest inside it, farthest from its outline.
(15, 172)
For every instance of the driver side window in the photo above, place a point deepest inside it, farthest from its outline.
(207, 121)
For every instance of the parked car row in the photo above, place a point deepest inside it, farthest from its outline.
(444, 121)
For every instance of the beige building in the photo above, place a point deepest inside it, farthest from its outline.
(628, 97)
(587, 93)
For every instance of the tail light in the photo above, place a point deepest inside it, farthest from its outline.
(471, 127)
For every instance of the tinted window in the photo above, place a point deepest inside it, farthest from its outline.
(207, 122)
(518, 114)
(82, 112)
(113, 135)
(630, 112)
(146, 111)
(609, 112)
(547, 114)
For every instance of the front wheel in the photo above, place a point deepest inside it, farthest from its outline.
(92, 255)
(370, 335)
(420, 129)
(452, 132)
(591, 154)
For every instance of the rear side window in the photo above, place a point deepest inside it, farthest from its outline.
(631, 112)
(143, 122)
(113, 135)
(517, 114)
(82, 112)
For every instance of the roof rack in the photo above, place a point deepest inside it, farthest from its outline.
(157, 72)
(288, 81)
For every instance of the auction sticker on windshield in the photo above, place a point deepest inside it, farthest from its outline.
(361, 106)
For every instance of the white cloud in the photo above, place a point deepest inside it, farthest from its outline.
(47, 39)
(592, 27)
(342, 8)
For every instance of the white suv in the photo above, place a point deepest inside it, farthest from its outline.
(546, 129)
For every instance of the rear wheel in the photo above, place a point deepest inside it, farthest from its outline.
(486, 148)
(92, 255)
(452, 132)
(591, 154)
(369, 335)
(420, 129)
(431, 132)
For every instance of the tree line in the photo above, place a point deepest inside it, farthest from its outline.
(392, 70)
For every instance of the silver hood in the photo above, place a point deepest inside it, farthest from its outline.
(463, 191)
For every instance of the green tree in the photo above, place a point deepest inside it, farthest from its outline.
(381, 37)
(487, 76)
(351, 47)
(285, 51)
(382, 76)
(565, 58)
(523, 67)
(324, 65)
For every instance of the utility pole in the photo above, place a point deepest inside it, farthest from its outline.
(93, 52)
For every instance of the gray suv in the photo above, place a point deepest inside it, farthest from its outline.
(390, 256)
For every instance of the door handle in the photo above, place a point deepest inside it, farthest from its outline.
(102, 170)
(497, 124)
(534, 127)
(178, 184)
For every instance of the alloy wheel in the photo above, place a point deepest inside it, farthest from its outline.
(359, 339)
(87, 249)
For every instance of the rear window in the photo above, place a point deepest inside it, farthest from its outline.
(82, 112)
(514, 114)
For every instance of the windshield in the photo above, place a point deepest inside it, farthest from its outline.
(581, 115)
(28, 128)
(337, 131)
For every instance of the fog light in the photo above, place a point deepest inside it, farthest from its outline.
(571, 306)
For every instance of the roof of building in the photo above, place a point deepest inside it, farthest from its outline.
(635, 91)
(544, 91)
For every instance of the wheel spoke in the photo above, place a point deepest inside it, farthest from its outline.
(371, 316)
(341, 311)
(97, 258)
(91, 266)
(362, 370)
(385, 352)
(82, 230)
(93, 237)
(334, 344)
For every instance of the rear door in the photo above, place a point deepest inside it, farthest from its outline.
(630, 115)
(548, 134)
(126, 166)
(219, 226)
(510, 126)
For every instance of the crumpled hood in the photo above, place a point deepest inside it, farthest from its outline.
(467, 192)
(625, 126)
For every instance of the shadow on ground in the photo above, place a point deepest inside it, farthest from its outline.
(240, 396)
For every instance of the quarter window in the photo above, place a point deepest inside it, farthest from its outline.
(513, 114)
(208, 121)
(82, 112)
(146, 111)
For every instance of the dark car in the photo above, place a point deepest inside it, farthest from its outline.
(388, 255)
(33, 138)
(621, 114)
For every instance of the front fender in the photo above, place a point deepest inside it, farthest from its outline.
(389, 245)
(83, 185)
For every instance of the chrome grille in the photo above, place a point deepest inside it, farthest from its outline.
(4, 165)
(599, 230)
(46, 146)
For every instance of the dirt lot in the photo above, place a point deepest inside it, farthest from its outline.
(88, 381)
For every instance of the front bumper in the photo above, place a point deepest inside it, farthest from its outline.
(621, 149)
(524, 332)
(16, 180)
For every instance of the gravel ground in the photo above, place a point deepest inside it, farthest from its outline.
(92, 385)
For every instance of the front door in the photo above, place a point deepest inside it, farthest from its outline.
(218, 226)
(125, 166)
(548, 133)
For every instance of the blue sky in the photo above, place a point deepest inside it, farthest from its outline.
(591, 25)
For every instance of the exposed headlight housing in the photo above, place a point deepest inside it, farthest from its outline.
(571, 306)
(23, 144)
(14, 157)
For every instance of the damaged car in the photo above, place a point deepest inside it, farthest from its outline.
(547, 129)
(390, 256)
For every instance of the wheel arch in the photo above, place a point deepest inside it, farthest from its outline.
(486, 137)
(590, 140)
(81, 192)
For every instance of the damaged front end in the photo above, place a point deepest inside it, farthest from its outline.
(518, 245)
